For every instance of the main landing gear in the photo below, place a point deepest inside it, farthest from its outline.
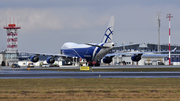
(94, 63)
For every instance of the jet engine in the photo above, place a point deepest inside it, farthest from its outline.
(136, 57)
(34, 58)
(50, 60)
(107, 60)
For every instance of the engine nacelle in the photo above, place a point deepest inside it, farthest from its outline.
(50, 60)
(136, 57)
(34, 58)
(107, 60)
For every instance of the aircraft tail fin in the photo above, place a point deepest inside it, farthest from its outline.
(109, 32)
(174, 49)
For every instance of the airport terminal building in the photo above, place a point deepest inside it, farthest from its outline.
(148, 58)
(8, 57)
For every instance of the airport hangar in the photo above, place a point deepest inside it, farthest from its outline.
(22, 59)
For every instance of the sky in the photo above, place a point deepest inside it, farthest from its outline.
(47, 24)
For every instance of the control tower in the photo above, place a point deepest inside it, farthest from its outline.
(12, 37)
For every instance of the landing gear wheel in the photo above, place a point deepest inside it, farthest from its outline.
(90, 64)
(97, 63)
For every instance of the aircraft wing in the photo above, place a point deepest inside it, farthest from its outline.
(136, 53)
(47, 54)
(128, 53)
(126, 45)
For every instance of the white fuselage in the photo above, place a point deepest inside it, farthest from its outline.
(88, 52)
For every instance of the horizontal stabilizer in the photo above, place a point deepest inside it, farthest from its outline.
(97, 45)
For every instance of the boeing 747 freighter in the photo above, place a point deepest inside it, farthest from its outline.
(89, 51)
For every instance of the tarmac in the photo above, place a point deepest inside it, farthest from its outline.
(39, 72)
(101, 67)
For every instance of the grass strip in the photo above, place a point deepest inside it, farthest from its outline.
(106, 89)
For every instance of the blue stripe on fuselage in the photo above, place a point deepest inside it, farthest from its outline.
(86, 53)
(97, 51)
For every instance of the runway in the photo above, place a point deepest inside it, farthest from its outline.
(52, 72)
(21, 74)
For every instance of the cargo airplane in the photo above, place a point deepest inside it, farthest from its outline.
(89, 51)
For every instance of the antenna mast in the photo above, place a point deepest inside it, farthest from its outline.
(159, 25)
(169, 16)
